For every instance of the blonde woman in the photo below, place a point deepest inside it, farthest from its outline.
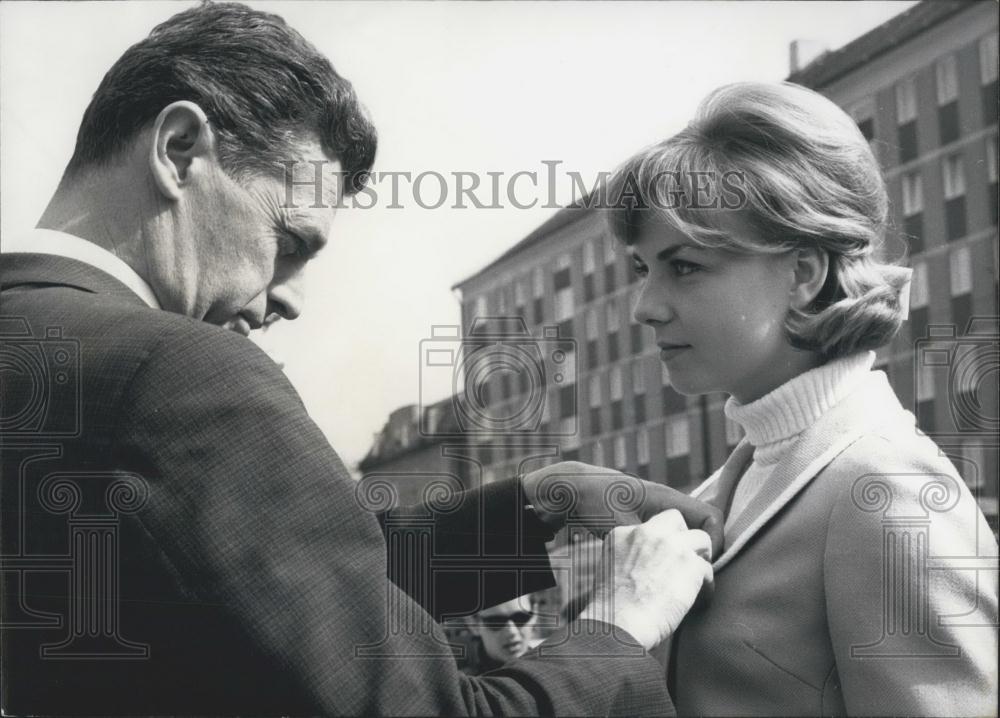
(757, 231)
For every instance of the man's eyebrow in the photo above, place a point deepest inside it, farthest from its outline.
(311, 236)
(315, 240)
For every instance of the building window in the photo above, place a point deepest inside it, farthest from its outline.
(988, 59)
(609, 279)
(561, 279)
(588, 258)
(678, 441)
(537, 310)
(479, 308)
(590, 319)
(537, 283)
(919, 299)
(621, 461)
(925, 397)
(863, 114)
(597, 453)
(913, 207)
(567, 401)
(961, 288)
(614, 319)
(988, 78)
(564, 304)
(617, 383)
(639, 392)
(948, 124)
(617, 419)
(614, 324)
(906, 119)
(589, 292)
(678, 436)
(946, 73)
(595, 404)
(954, 197)
(991, 174)
(642, 452)
(546, 413)
(906, 101)
(961, 271)
(913, 194)
(503, 301)
(610, 250)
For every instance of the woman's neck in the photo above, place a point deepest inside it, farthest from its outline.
(780, 370)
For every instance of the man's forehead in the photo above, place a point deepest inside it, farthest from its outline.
(312, 179)
(506, 609)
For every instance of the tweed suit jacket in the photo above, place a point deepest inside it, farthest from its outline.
(861, 580)
(178, 537)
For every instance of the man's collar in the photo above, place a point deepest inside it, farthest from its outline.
(61, 244)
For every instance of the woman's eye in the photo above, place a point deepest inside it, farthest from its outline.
(682, 268)
(640, 270)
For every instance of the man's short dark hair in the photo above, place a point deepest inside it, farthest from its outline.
(262, 86)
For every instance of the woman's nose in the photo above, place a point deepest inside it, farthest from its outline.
(652, 306)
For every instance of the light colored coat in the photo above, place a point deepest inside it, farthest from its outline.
(861, 580)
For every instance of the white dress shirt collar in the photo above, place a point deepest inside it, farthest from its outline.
(61, 244)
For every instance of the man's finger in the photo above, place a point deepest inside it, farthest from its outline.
(696, 513)
(699, 542)
(669, 521)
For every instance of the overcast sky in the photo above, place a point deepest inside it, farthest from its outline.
(452, 87)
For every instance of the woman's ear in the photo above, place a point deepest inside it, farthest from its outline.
(181, 138)
(811, 267)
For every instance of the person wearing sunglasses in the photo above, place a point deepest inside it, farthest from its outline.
(507, 631)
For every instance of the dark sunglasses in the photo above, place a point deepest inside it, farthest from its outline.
(495, 623)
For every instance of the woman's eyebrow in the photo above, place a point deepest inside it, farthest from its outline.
(664, 254)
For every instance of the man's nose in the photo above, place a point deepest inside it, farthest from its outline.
(286, 297)
(510, 629)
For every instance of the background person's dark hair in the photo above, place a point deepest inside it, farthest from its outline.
(262, 86)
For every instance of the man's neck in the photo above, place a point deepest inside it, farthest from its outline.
(90, 207)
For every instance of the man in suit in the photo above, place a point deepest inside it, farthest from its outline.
(177, 535)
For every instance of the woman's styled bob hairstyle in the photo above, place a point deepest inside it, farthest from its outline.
(799, 174)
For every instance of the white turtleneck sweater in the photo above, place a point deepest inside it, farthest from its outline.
(774, 422)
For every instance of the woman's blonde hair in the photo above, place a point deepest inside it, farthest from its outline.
(799, 172)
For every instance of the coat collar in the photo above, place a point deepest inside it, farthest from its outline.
(820, 444)
(23, 269)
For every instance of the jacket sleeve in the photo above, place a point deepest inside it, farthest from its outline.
(256, 513)
(912, 622)
(465, 530)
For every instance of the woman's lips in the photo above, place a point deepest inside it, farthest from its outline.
(670, 351)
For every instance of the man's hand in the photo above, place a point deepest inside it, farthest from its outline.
(600, 499)
(650, 577)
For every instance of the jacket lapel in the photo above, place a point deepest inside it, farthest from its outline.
(840, 427)
(24, 269)
(718, 489)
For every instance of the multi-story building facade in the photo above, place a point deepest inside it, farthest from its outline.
(923, 89)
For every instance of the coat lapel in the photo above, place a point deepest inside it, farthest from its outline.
(24, 269)
(840, 427)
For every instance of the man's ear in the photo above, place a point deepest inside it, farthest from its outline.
(811, 267)
(181, 137)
